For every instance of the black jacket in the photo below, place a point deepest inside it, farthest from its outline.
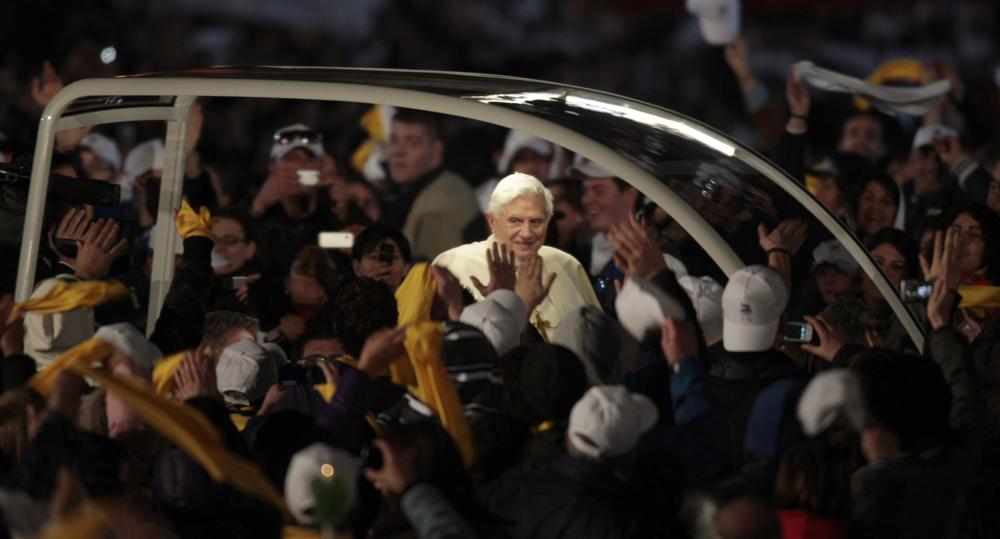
(570, 497)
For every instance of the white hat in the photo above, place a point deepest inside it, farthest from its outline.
(130, 342)
(245, 371)
(608, 421)
(642, 307)
(752, 305)
(927, 134)
(830, 395)
(103, 147)
(278, 150)
(706, 296)
(143, 158)
(501, 316)
(589, 169)
(47, 336)
(833, 252)
(518, 140)
(319, 460)
(719, 19)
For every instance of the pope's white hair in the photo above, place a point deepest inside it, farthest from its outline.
(519, 185)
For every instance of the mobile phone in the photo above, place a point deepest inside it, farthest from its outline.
(336, 240)
(234, 282)
(800, 332)
(292, 375)
(386, 253)
(308, 177)
(371, 458)
(913, 290)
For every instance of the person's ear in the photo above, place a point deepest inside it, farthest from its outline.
(357, 267)
(252, 248)
(437, 147)
(491, 220)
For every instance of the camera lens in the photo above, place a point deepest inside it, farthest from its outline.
(371, 458)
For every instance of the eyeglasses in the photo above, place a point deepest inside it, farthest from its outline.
(319, 358)
(285, 138)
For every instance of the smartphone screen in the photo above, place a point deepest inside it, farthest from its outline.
(798, 332)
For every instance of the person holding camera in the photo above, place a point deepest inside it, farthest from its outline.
(288, 205)
(382, 253)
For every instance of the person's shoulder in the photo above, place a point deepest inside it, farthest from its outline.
(558, 256)
(448, 192)
(459, 252)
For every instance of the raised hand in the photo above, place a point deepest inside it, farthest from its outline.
(98, 249)
(831, 338)
(636, 249)
(789, 235)
(399, 469)
(195, 377)
(529, 286)
(381, 348)
(797, 94)
(503, 275)
(46, 86)
(944, 259)
(72, 227)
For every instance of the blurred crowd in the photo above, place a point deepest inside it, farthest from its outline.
(384, 322)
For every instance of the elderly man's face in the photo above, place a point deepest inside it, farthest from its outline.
(521, 224)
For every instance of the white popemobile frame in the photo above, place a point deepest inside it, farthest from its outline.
(186, 88)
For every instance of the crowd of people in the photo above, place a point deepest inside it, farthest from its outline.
(369, 343)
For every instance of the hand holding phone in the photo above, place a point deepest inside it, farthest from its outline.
(916, 291)
(800, 332)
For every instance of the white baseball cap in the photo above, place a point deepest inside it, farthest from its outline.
(245, 371)
(831, 394)
(833, 252)
(143, 158)
(103, 147)
(706, 296)
(319, 460)
(518, 140)
(608, 421)
(643, 306)
(296, 136)
(128, 340)
(752, 305)
(927, 134)
(501, 316)
(589, 169)
(719, 19)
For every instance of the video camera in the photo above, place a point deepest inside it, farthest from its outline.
(15, 179)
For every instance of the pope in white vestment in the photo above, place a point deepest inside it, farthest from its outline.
(520, 209)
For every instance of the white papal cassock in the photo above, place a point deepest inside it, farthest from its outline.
(570, 290)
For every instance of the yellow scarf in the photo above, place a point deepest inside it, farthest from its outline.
(189, 223)
(190, 431)
(979, 296)
(414, 299)
(89, 351)
(68, 295)
(163, 373)
(372, 123)
(434, 388)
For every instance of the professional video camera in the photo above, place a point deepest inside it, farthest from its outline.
(15, 177)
